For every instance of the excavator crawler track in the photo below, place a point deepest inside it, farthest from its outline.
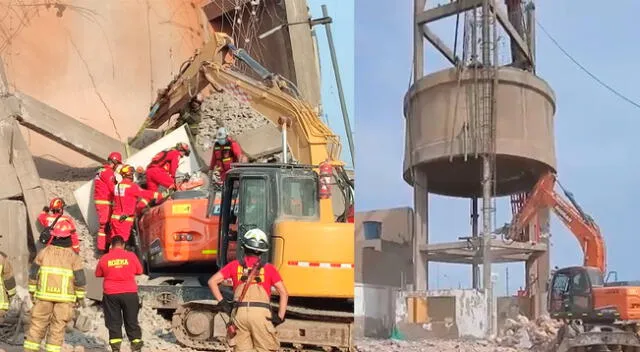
(200, 325)
(601, 338)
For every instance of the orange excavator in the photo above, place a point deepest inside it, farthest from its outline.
(598, 315)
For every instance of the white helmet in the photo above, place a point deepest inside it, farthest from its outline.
(256, 239)
(221, 135)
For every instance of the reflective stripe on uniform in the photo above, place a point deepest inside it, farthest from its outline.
(103, 202)
(80, 294)
(224, 160)
(32, 288)
(42, 291)
(112, 341)
(11, 292)
(52, 348)
(102, 234)
(136, 340)
(117, 217)
(30, 345)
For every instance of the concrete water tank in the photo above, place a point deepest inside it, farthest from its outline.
(435, 118)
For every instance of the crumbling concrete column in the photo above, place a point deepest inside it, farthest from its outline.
(420, 230)
(537, 268)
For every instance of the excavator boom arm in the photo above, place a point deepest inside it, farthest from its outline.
(309, 139)
(583, 228)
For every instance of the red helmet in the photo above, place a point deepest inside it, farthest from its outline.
(115, 158)
(126, 171)
(56, 204)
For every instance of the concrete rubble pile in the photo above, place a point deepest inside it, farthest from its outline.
(431, 345)
(538, 335)
(225, 110)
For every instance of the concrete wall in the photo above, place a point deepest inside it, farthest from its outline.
(386, 261)
(396, 224)
(464, 312)
(374, 310)
(101, 62)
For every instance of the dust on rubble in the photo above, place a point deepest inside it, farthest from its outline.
(225, 110)
(519, 334)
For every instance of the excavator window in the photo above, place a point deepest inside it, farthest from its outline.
(559, 291)
(253, 205)
(299, 197)
(571, 291)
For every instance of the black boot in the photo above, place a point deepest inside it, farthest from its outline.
(115, 347)
(136, 345)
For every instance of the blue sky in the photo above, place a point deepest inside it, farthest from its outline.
(342, 13)
(596, 132)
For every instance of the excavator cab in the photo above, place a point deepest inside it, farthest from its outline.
(283, 200)
(250, 199)
(571, 294)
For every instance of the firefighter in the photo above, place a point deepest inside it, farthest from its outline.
(7, 284)
(161, 171)
(120, 299)
(125, 200)
(56, 284)
(251, 311)
(104, 182)
(62, 224)
(225, 151)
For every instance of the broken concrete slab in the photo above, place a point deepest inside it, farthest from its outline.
(146, 137)
(6, 136)
(10, 185)
(13, 217)
(66, 130)
(262, 141)
(22, 160)
(35, 200)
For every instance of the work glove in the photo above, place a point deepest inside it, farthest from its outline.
(45, 209)
(225, 306)
(275, 319)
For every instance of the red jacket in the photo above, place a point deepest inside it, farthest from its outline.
(119, 268)
(167, 160)
(125, 197)
(224, 155)
(103, 186)
(64, 227)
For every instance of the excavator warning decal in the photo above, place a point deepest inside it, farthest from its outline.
(321, 265)
(180, 209)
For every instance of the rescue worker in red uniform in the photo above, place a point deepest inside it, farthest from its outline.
(255, 321)
(63, 225)
(7, 284)
(125, 200)
(56, 284)
(103, 195)
(120, 299)
(225, 152)
(161, 171)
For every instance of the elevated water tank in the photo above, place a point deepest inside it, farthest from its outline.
(441, 124)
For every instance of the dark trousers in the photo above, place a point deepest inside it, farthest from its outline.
(119, 306)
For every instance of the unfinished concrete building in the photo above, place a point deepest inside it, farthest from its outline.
(479, 130)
